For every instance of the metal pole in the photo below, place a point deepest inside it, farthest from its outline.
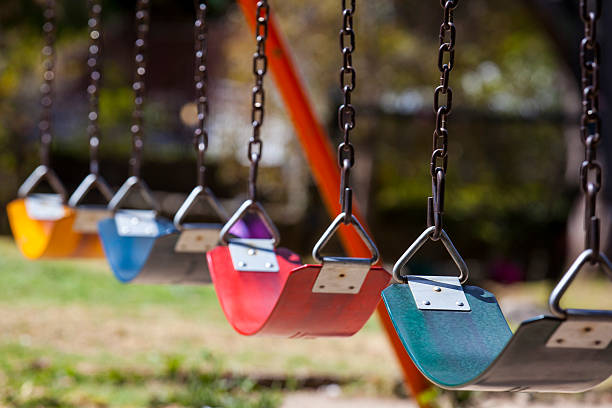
(322, 162)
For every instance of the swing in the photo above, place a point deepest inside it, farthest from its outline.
(87, 216)
(457, 335)
(264, 289)
(142, 247)
(42, 223)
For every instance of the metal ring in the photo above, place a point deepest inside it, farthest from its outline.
(124, 191)
(39, 174)
(92, 180)
(192, 199)
(567, 279)
(246, 207)
(464, 272)
(331, 230)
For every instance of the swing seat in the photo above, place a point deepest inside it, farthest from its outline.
(283, 303)
(476, 350)
(43, 228)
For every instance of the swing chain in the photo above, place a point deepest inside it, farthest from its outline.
(200, 135)
(95, 48)
(346, 111)
(590, 123)
(439, 156)
(260, 67)
(47, 87)
(142, 29)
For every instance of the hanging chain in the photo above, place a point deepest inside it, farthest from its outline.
(442, 108)
(200, 135)
(590, 124)
(142, 29)
(47, 87)
(346, 112)
(260, 67)
(95, 48)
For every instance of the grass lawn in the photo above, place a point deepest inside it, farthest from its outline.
(72, 336)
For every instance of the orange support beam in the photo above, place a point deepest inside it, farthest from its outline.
(324, 168)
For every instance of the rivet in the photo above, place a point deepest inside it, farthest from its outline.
(269, 265)
(459, 303)
(148, 230)
(251, 252)
(559, 341)
(125, 230)
(341, 275)
(241, 264)
(597, 342)
(437, 289)
(134, 220)
(322, 287)
(587, 329)
(426, 302)
(351, 287)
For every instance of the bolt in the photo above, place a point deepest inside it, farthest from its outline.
(426, 303)
(251, 252)
(134, 220)
(597, 342)
(587, 329)
(341, 275)
(242, 264)
(559, 341)
(269, 265)
(437, 289)
(459, 303)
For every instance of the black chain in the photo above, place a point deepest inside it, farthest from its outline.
(260, 67)
(346, 112)
(95, 48)
(142, 30)
(47, 87)
(200, 135)
(590, 124)
(439, 156)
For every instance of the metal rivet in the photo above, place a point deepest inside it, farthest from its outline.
(322, 287)
(597, 342)
(341, 275)
(559, 341)
(125, 230)
(134, 220)
(587, 329)
(459, 303)
(351, 287)
(251, 252)
(437, 289)
(426, 302)
(269, 265)
(148, 230)
(241, 264)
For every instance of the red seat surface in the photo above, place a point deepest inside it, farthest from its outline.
(283, 304)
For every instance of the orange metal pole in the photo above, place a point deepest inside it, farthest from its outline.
(324, 167)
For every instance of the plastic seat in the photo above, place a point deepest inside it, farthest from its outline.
(472, 346)
(42, 224)
(265, 290)
(142, 247)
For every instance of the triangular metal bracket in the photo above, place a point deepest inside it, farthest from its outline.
(39, 174)
(131, 184)
(250, 206)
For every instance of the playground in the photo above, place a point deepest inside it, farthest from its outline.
(203, 212)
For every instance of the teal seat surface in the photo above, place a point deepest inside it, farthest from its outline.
(451, 348)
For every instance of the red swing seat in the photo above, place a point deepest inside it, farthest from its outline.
(291, 302)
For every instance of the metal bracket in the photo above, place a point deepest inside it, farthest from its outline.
(136, 223)
(584, 334)
(341, 275)
(253, 255)
(198, 238)
(438, 293)
(45, 207)
(87, 218)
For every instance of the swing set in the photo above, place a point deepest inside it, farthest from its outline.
(455, 335)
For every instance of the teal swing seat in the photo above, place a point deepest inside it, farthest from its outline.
(472, 347)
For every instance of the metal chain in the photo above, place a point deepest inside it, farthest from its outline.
(47, 87)
(346, 111)
(442, 108)
(200, 135)
(590, 124)
(142, 29)
(260, 67)
(95, 75)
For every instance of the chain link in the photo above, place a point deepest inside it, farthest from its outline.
(95, 75)
(590, 123)
(200, 135)
(260, 67)
(443, 105)
(140, 59)
(346, 111)
(47, 87)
